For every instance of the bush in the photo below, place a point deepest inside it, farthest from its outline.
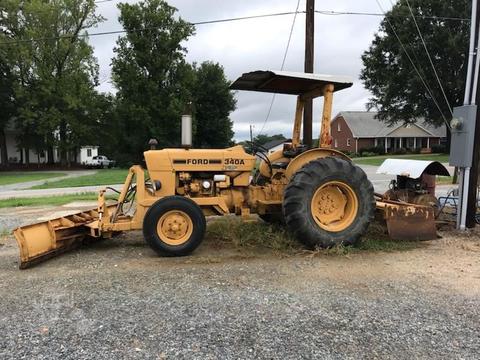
(367, 153)
(439, 149)
(401, 151)
(377, 150)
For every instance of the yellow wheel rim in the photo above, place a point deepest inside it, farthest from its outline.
(334, 206)
(174, 227)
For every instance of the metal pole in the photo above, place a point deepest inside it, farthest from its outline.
(309, 62)
(471, 177)
(464, 176)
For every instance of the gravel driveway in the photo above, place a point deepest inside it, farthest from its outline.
(116, 300)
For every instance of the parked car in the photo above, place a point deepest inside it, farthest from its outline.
(99, 161)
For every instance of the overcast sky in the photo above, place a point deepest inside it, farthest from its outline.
(259, 44)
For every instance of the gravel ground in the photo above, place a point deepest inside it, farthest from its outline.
(116, 300)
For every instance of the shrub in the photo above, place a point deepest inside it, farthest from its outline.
(439, 149)
(401, 151)
(377, 150)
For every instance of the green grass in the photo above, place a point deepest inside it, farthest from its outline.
(378, 160)
(444, 180)
(7, 178)
(47, 200)
(101, 177)
(259, 235)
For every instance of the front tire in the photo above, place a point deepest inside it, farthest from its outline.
(329, 202)
(174, 225)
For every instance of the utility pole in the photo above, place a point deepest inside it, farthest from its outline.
(467, 158)
(474, 170)
(309, 61)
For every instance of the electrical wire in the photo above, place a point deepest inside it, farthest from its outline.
(432, 17)
(217, 21)
(282, 67)
(414, 66)
(429, 58)
(114, 32)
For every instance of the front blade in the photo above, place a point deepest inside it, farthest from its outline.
(41, 241)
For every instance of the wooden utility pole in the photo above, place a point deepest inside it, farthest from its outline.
(474, 170)
(309, 61)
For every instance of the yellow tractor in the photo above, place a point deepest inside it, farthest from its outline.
(323, 198)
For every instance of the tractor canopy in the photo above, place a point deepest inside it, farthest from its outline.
(286, 82)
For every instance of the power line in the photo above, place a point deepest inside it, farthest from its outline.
(431, 17)
(150, 28)
(430, 58)
(283, 65)
(217, 21)
(413, 64)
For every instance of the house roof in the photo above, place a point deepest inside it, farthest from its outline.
(271, 144)
(365, 124)
(286, 82)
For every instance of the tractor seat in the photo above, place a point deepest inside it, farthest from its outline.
(280, 165)
(289, 152)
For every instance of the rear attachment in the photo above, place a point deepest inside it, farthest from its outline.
(41, 241)
(407, 221)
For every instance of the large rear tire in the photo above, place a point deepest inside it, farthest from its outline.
(174, 225)
(329, 202)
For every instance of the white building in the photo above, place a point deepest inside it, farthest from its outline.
(18, 156)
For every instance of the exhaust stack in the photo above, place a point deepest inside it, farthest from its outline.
(187, 127)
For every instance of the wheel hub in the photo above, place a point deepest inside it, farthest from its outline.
(174, 227)
(334, 206)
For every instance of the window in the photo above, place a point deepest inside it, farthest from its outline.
(339, 127)
(348, 142)
(89, 152)
(336, 143)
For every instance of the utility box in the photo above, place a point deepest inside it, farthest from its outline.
(463, 135)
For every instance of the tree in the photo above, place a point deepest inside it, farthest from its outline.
(151, 75)
(6, 104)
(263, 139)
(54, 68)
(213, 103)
(398, 92)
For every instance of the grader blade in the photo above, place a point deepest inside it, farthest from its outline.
(408, 221)
(41, 241)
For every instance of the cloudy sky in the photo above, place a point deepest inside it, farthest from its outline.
(259, 44)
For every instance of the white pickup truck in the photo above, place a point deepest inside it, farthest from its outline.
(99, 161)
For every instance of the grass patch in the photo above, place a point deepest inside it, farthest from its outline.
(444, 180)
(47, 200)
(233, 231)
(378, 160)
(7, 178)
(101, 177)
(259, 235)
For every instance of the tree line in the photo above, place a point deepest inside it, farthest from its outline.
(49, 77)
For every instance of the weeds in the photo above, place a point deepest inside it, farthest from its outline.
(258, 235)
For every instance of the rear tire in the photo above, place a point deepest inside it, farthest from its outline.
(174, 225)
(329, 202)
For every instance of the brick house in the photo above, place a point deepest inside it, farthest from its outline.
(356, 130)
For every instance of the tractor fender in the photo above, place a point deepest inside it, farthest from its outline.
(298, 162)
